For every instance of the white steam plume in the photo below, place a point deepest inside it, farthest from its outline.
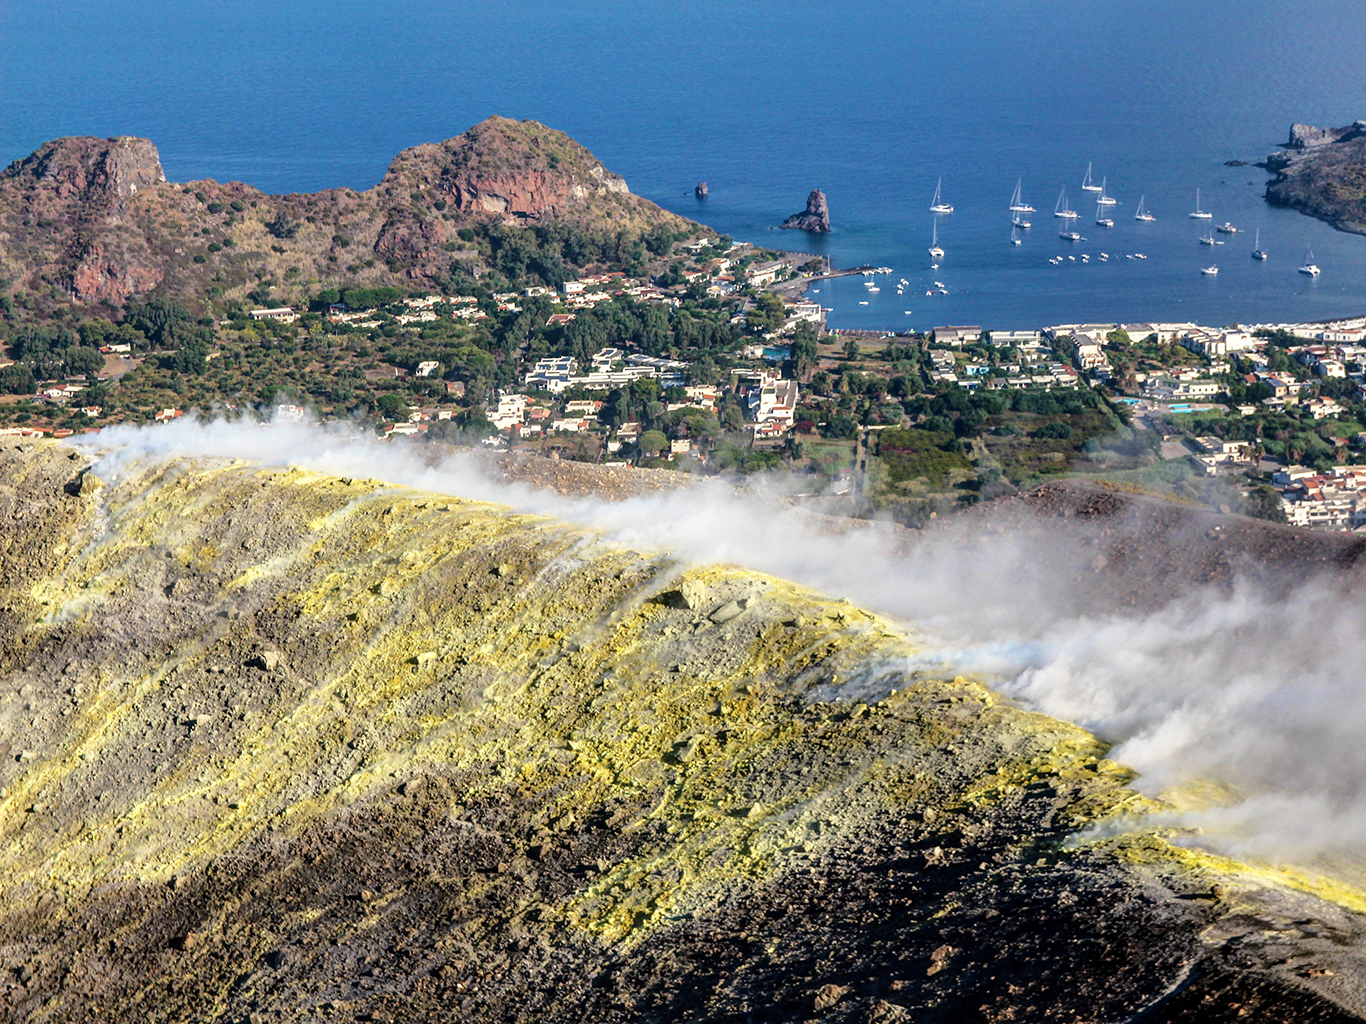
(1265, 693)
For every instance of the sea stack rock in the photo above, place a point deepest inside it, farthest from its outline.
(816, 216)
(701, 190)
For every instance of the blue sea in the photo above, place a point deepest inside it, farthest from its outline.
(871, 102)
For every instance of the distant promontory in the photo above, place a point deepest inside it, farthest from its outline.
(1322, 172)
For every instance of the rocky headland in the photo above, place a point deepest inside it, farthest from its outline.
(96, 219)
(815, 218)
(1322, 172)
(281, 746)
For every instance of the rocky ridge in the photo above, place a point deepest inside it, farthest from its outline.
(97, 219)
(277, 745)
(1322, 172)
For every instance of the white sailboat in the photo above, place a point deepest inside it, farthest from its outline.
(936, 253)
(939, 206)
(1086, 185)
(1310, 267)
(1142, 213)
(1101, 217)
(1258, 253)
(1200, 214)
(1017, 203)
(1061, 210)
(1104, 199)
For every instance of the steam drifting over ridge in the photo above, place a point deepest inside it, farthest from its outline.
(1255, 686)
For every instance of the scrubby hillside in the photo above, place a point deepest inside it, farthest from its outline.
(95, 221)
(280, 746)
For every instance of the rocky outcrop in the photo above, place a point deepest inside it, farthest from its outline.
(701, 190)
(1322, 172)
(293, 747)
(100, 277)
(88, 169)
(95, 219)
(1306, 136)
(815, 218)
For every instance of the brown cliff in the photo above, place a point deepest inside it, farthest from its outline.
(96, 220)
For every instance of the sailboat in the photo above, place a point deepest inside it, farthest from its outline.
(936, 252)
(1207, 238)
(939, 206)
(1086, 185)
(1101, 217)
(1142, 213)
(1017, 203)
(1104, 200)
(1258, 253)
(1061, 209)
(1200, 214)
(1310, 267)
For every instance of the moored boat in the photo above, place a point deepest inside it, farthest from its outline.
(1197, 213)
(939, 206)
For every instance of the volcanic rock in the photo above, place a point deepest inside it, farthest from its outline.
(701, 190)
(584, 808)
(96, 218)
(815, 218)
(1322, 172)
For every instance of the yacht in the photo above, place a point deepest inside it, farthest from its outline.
(1102, 219)
(1207, 238)
(1086, 185)
(1226, 228)
(1209, 271)
(1020, 222)
(1066, 232)
(1200, 214)
(1017, 203)
(1142, 213)
(939, 206)
(1061, 209)
(1105, 200)
(1310, 267)
(936, 252)
(1258, 253)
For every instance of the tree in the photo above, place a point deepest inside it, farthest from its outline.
(163, 321)
(803, 349)
(17, 380)
(844, 427)
(393, 406)
(1263, 502)
(851, 350)
(653, 441)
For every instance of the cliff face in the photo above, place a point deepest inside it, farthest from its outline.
(96, 217)
(280, 745)
(1322, 172)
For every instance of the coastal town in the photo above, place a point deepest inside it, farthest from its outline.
(946, 416)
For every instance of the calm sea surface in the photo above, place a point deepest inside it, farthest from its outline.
(871, 102)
